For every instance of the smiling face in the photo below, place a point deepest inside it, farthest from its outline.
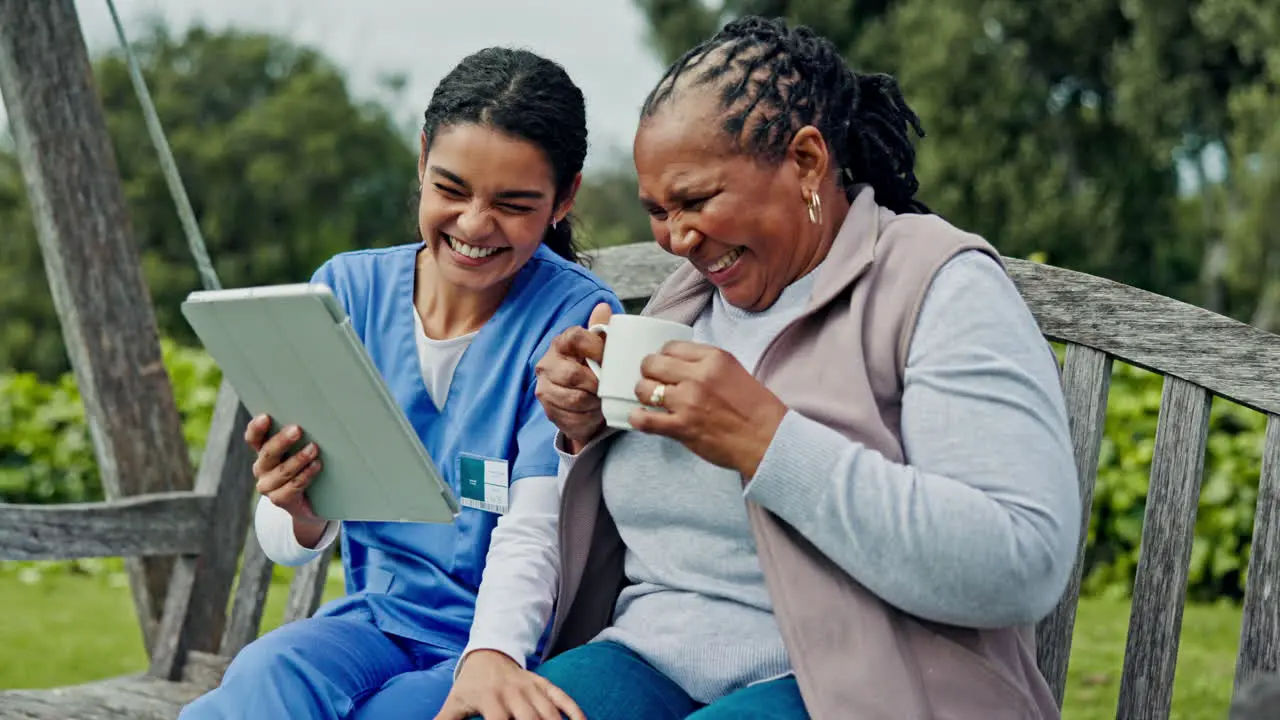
(741, 220)
(487, 199)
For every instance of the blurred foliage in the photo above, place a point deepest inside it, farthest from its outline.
(46, 448)
(607, 207)
(1229, 492)
(283, 167)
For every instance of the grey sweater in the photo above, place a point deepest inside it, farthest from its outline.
(977, 530)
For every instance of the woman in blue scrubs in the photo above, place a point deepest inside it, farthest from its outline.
(455, 323)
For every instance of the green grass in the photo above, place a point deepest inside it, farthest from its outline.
(62, 627)
(1206, 661)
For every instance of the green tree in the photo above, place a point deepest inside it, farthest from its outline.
(283, 166)
(608, 205)
(1251, 192)
(29, 336)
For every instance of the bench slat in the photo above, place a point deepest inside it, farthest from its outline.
(195, 610)
(204, 669)
(250, 598)
(226, 467)
(634, 271)
(174, 636)
(1159, 593)
(135, 697)
(308, 586)
(1260, 627)
(144, 525)
(1230, 358)
(1086, 380)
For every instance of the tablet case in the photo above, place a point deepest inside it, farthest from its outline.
(290, 352)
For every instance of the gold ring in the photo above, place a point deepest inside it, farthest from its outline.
(658, 395)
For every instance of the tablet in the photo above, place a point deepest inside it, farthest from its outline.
(290, 352)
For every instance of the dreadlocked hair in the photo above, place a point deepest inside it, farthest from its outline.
(774, 80)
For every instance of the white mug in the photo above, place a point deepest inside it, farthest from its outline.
(630, 339)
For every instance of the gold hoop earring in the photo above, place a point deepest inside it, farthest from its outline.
(815, 209)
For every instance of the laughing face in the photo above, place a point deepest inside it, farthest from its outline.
(741, 220)
(487, 199)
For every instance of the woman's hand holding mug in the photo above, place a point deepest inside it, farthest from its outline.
(585, 383)
(567, 387)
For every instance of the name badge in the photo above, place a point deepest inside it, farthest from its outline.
(485, 483)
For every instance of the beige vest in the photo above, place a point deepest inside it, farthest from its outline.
(840, 363)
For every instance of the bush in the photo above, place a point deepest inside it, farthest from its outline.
(46, 456)
(46, 453)
(1224, 521)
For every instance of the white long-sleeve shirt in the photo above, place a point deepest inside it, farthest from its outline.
(519, 583)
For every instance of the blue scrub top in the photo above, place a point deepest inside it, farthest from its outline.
(420, 580)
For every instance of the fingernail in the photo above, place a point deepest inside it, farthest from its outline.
(309, 450)
(294, 432)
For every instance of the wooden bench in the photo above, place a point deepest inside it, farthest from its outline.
(1199, 353)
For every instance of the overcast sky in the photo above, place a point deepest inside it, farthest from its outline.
(600, 42)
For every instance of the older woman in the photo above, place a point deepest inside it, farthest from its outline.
(862, 495)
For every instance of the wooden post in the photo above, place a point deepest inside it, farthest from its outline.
(74, 188)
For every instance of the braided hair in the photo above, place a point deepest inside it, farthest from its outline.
(774, 80)
(526, 96)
